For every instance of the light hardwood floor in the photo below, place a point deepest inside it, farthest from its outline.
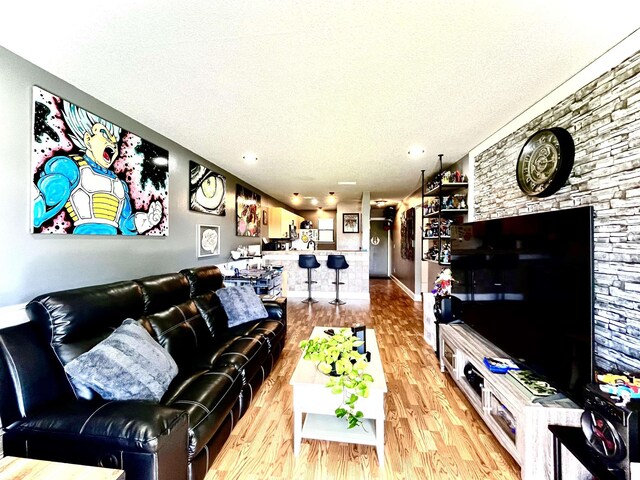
(431, 430)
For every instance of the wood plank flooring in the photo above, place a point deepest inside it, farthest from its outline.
(431, 431)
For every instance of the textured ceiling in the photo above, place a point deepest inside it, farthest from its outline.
(321, 91)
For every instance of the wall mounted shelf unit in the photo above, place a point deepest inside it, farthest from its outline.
(444, 203)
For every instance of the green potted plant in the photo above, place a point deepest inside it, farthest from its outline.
(336, 356)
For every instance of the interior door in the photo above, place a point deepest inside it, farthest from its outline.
(378, 249)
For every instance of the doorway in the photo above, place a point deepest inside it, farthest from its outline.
(379, 258)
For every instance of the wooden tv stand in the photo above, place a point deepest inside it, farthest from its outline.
(508, 408)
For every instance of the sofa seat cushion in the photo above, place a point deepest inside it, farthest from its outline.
(208, 399)
(127, 365)
(273, 330)
(247, 354)
(128, 425)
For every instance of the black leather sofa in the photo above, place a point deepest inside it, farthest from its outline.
(220, 369)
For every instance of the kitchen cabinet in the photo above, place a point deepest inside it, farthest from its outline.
(279, 221)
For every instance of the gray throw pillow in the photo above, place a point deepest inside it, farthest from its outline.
(241, 304)
(127, 365)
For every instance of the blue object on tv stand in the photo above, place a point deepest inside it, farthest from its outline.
(499, 365)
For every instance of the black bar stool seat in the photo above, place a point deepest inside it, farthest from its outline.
(337, 262)
(309, 262)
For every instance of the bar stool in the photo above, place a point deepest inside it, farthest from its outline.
(337, 262)
(308, 262)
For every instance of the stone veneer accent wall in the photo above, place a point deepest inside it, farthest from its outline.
(604, 119)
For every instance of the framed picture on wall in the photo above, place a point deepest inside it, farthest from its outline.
(247, 212)
(350, 222)
(93, 177)
(207, 190)
(208, 240)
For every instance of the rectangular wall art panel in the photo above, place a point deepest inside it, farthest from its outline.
(247, 212)
(207, 190)
(92, 177)
(208, 240)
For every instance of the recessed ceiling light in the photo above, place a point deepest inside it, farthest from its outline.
(314, 201)
(347, 183)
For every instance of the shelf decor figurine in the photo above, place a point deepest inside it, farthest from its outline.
(336, 356)
(443, 283)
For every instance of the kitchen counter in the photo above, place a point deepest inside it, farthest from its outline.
(355, 278)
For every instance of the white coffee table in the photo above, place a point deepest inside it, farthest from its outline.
(314, 405)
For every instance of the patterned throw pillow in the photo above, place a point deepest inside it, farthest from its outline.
(241, 304)
(127, 365)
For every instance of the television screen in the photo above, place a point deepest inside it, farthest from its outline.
(526, 285)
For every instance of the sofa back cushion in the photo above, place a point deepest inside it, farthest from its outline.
(213, 314)
(181, 331)
(163, 291)
(30, 375)
(76, 320)
(203, 279)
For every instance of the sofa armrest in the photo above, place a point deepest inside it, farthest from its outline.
(276, 309)
(146, 440)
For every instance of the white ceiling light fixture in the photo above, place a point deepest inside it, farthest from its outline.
(250, 157)
(416, 151)
(349, 182)
(295, 199)
(331, 199)
(314, 201)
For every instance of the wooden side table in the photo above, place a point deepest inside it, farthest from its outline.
(12, 468)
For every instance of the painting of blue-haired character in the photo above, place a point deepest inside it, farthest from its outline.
(207, 190)
(91, 177)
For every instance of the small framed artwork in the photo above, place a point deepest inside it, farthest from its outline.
(208, 239)
(350, 223)
(265, 216)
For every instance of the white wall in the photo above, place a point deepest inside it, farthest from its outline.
(348, 241)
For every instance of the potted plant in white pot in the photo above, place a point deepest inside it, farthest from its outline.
(336, 356)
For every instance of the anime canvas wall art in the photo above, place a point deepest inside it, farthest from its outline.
(92, 177)
(247, 212)
(207, 190)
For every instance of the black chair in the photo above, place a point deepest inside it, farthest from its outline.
(337, 262)
(308, 262)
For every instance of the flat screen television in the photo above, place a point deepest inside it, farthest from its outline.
(526, 285)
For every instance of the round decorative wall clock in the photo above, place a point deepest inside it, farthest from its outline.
(545, 162)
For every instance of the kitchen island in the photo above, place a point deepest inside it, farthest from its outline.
(355, 278)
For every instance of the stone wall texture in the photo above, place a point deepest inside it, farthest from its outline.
(604, 119)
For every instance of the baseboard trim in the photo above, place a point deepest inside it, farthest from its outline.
(415, 297)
